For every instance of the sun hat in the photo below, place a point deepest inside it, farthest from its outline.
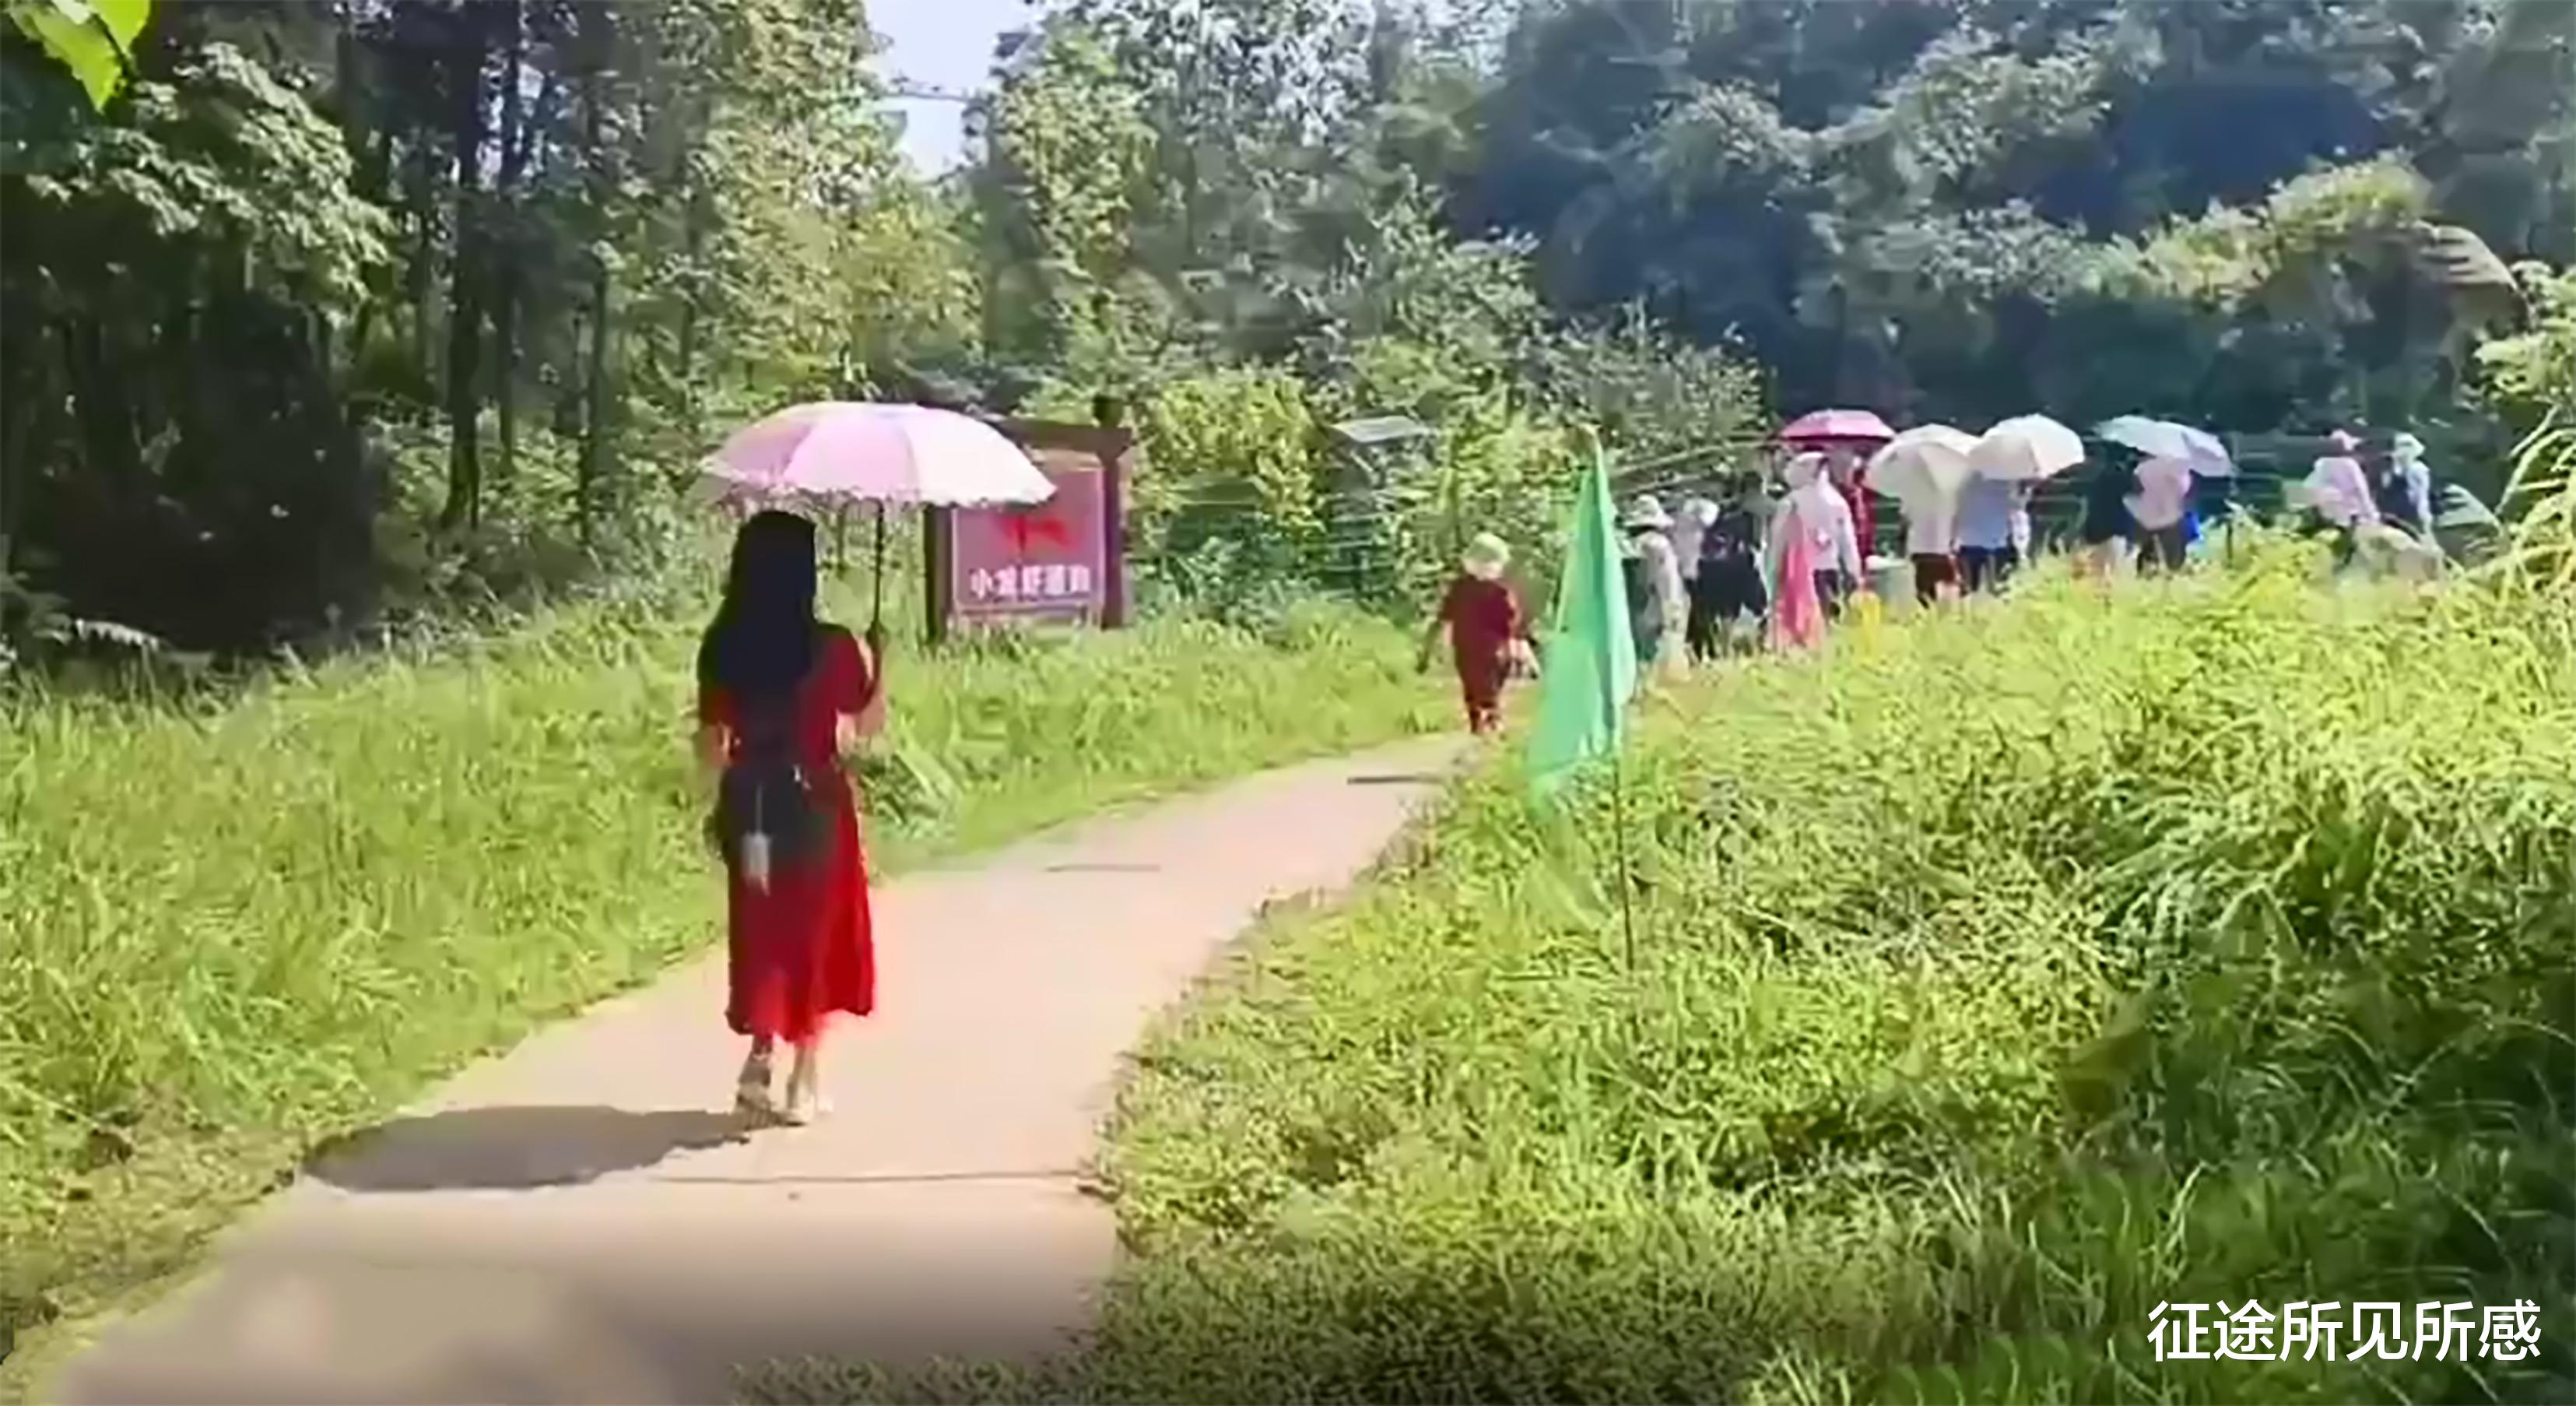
(1647, 511)
(1486, 555)
(2403, 445)
(2343, 441)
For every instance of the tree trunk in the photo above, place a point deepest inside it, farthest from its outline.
(505, 292)
(595, 412)
(422, 276)
(463, 507)
(693, 225)
(594, 417)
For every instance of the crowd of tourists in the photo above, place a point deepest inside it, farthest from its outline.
(1770, 559)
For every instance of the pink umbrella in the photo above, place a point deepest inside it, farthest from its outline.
(837, 452)
(1826, 425)
(829, 454)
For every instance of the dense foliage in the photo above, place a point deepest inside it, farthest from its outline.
(338, 305)
(322, 309)
(2260, 216)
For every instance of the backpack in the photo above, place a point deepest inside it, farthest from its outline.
(769, 816)
(1728, 541)
(2395, 499)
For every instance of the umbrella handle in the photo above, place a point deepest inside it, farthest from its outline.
(876, 606)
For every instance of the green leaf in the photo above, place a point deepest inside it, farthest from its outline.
(124, 19)
(95, 55)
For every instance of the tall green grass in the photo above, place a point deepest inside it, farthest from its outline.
(229, 931)
(1996, 978)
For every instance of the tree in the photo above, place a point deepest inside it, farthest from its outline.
(274, 317)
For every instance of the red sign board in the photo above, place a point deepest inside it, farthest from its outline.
(1051, 560)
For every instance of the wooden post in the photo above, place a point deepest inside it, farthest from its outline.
(1114, 449)
(936, 547)
(1109, 415)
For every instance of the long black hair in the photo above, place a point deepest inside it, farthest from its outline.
(764, 635)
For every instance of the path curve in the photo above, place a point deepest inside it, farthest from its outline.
(572, 1222)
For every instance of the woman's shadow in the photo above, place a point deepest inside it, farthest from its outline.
(514, 1148)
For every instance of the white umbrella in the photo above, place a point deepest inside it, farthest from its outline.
(2168, 439)
(1926, 462)
(2027, 447)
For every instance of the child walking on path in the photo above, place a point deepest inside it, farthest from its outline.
(1483, 619)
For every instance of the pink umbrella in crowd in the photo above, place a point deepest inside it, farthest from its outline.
(830, 454)
(1828, 426)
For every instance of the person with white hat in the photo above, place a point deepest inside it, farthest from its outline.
(2337, 493)
(1689, 529)
(1486, 630)
(2403, 488)
(1815, 507)
(1656, 607)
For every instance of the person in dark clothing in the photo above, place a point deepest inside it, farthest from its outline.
(2106, 522)
(2401, 487)
(1727, 587)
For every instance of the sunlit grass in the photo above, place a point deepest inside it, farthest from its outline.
(1997, 977)
(228, 932)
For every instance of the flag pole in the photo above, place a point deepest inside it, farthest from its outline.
(1619, 863)
(1615, 709)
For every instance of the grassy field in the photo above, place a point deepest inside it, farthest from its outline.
(1994, 980)
(229, 932)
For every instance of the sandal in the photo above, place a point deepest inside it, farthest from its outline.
(751, 1089)
(806, 1104)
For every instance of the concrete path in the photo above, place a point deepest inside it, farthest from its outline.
(576, 1222)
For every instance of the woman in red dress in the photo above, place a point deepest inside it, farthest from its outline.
(1484, 624)
(798, 943)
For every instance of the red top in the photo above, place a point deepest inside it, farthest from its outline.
(1864, 519)
(1483, 617)
(838, 686)
(803, 948)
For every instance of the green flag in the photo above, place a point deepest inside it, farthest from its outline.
(1591, 658)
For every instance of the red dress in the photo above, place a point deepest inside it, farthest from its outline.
(1864, 520)
(1483, 620)
(802, 950)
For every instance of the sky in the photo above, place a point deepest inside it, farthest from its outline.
(941, 44)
